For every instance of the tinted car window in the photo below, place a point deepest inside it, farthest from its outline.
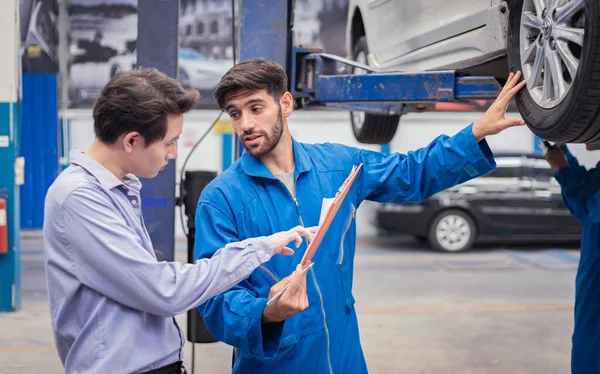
(505, 172)
(542, 174)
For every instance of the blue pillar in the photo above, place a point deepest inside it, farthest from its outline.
(158, 23)
(10, 277)
(265, 30)
(40, 149)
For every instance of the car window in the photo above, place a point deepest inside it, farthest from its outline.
(505, 172)
(190, 54)
(542, 174)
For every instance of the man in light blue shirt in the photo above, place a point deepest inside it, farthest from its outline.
(112, 303)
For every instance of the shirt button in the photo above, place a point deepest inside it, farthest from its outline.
(267, 256)
(133, 202)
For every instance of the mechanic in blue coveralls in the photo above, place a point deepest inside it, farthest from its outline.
(280, 182)
(580, 191)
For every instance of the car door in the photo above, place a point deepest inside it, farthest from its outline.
(551, 215)
(501, 200)
(397, 27)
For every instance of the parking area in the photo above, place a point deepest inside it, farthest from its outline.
(493, 310)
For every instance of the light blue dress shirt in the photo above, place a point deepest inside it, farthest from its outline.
(112, 303)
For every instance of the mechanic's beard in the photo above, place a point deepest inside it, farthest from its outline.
(270, 140)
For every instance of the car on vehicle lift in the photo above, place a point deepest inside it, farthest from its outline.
(519, 201)
(555, 43)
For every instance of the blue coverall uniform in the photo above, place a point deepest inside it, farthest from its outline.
(248, 201)
(580, 191)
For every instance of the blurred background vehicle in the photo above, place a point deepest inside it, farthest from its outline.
(519, 201)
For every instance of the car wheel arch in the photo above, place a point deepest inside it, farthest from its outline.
(357, 29)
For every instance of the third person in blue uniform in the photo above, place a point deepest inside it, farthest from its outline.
(580, 191)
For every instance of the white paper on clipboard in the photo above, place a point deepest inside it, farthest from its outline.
(325, 205)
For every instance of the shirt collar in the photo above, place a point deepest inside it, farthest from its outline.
(255, 167)
(104, 176)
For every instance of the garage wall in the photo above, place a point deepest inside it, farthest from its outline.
(416, 130)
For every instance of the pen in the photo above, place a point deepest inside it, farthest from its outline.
(278, 294)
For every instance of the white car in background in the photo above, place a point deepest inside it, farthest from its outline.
(195, 70)
(555, 43)
(200, 72)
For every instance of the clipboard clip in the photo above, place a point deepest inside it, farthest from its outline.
(349, 178)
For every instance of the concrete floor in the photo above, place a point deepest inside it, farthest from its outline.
(490, 311)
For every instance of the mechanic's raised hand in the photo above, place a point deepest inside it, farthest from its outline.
(282, 239)
(493, 121)
(556, 158)
(292, 301)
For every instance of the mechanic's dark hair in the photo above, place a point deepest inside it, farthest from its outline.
(252, 74)
(140, 100)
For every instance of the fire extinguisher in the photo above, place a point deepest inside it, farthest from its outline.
(3, 227)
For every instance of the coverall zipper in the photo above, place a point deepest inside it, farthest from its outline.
(315, 280)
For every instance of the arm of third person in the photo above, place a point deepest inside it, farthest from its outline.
(571, 177)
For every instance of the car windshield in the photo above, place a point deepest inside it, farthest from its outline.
(190, 54)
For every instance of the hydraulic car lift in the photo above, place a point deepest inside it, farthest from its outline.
(315, 79)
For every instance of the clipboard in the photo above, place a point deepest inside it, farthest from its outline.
(331, 212)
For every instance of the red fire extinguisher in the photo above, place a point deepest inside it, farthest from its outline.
(3, 227)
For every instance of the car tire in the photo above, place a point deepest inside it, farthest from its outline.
(369, 128)
(568, 110)
(452, 231)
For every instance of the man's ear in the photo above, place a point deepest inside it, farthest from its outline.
(287, 104)
(132, 140)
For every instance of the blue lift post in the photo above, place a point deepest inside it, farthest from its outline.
(158, 26)
(10, 278)
(315, 79)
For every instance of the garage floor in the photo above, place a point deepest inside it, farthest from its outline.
(492, 311)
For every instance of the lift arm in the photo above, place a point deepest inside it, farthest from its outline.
(317, 79)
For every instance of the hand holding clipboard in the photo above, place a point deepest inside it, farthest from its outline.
(341, 193)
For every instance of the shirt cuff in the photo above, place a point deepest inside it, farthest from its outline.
(565, 174)
(483, 161)
(264, 248)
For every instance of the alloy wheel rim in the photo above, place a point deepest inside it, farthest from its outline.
(551, 39)
(453, 232)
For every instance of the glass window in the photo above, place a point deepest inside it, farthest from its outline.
(505, 172)
(542, 174)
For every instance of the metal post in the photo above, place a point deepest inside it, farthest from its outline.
(158, 23)
(262, 34)
(10, 82)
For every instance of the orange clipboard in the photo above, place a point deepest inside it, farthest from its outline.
(331, 212)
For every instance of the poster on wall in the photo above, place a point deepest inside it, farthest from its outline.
(39, 35)
(102, 40)
(103, 34)
(206, 43)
